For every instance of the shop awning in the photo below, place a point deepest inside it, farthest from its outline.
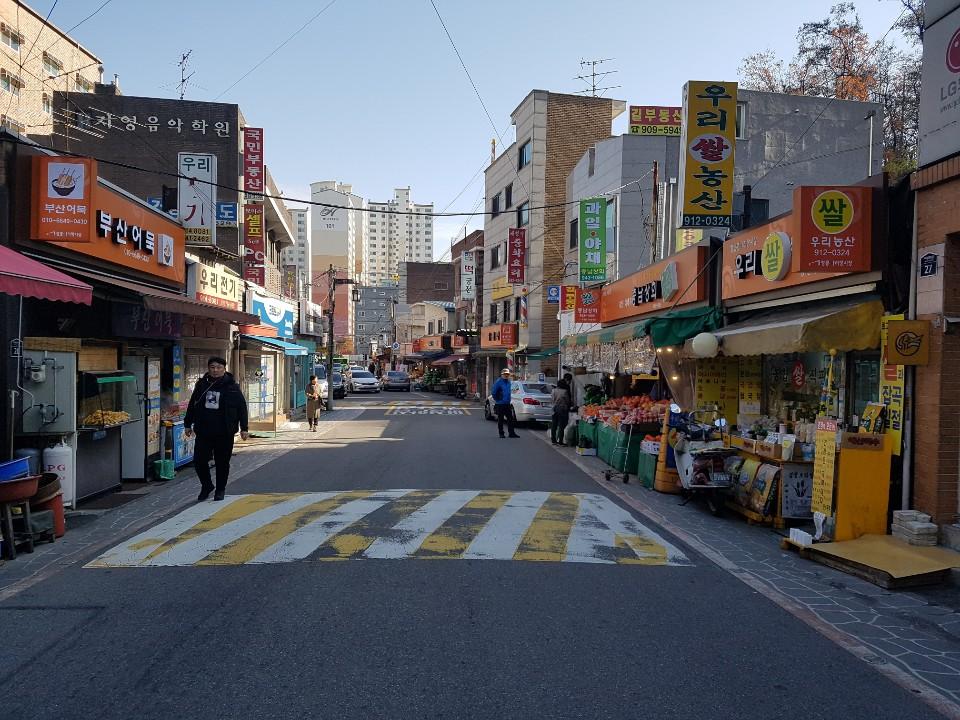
(447, 360)
(676, 327)
(842, 327)
(544, 354)
(428, 356)
(276, 343)
(20, 275)
(166, 301)
(491, 353)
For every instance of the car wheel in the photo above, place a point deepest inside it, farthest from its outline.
(487, 415)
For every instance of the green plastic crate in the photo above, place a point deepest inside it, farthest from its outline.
(646, 469)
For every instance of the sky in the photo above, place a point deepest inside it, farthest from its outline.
(372, 93)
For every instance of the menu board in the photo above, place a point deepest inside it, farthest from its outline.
(717, 385)
(751, 385)
(823, 466)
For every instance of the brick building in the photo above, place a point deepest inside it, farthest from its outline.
(526, 187)
(422, 281)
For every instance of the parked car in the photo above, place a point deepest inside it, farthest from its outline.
(364, 381)
(529, 402)
(339, 386)
(396, 380)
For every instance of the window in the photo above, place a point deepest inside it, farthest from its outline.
(11, 124)
(495, 257)
(440, 327)
(47, 105)
(360, 327)
(51, 65)
(741, 121)
(574, 233)
(523, 214)
(10, 83)
(439, 286)
(493, 313)
(508, 196)
(506, 310)
(430, 328)
(525, 155)
(83, 84)
(363, 313)
(592, 161)
(10, 38)
(516, 309)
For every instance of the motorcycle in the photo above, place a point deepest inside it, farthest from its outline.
(461, 391)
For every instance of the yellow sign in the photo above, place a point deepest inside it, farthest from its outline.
(501, 289)
(832, 211)
(908, 342)
(823, 466)
(751, 385)
(718, 386)
(687, 237)
(707, 143)
(776, 256)
(891, 387)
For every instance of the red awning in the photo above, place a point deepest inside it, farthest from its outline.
(446, 360)
(20, 275)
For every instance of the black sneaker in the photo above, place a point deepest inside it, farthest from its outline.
(218, 495)
(204, 494)
(513, 436)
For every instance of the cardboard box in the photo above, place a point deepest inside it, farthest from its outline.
(772, 451)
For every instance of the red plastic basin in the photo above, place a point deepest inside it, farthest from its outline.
(19, 489)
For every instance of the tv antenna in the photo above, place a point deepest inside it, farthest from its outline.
(184, 78)
(593, 78)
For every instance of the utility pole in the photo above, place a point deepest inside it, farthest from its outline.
(656, 206)
(184, 78)
(331, 301)
(594, 78)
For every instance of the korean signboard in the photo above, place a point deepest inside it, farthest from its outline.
(908, 342)
(568, 300)
(655, 120)
(685, 237)
(501, 335)
(153, 123)
(940, 93)
(289, 281)
(553, 294)
(516, 256)
(588, 306)
(500, 289)
(253, 184)
(834, 228)
(707, 147)
(468, 275)
(215, 285)
(226, 214)
(108, 225)
(254, 245)
(892, 385)
(311, 319)
(275, 313)
(197, 197)
(657, 287)
(593, 240)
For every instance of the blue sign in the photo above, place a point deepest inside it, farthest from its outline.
(553, 294)
(157, 204)
(226, 214)
(275, 314)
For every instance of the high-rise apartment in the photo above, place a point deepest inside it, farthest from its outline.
(397, 231)
(300, 254)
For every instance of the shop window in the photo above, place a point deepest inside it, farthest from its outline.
(864, 382)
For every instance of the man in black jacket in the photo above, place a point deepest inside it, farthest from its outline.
(217, 410)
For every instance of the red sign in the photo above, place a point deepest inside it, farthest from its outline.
(834, 228)
(458, 341)
(254, 245)
(588, 306)
(569, 301)
(517, 256)
(501, 335)
(655, 120)
(416, 346)
(253, 160)
(798, 377)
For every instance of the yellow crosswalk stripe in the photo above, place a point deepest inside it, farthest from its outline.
(546, 538)
(454, 536)
(234, 511)
(259, 539)
(353, 542)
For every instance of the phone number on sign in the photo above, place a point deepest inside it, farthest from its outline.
(706, 220)
(655, 130)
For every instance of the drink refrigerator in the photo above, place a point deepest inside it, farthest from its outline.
(141, 439)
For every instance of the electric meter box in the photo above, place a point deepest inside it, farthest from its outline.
(49, 397)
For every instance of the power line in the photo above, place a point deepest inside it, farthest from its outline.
(277, 49)
(88, 17)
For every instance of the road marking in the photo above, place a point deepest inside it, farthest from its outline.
(427, 410)
(393, 524)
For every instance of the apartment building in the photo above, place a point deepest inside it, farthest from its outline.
(36, 60)
(526, 187)
(300, 253)
(396, 231)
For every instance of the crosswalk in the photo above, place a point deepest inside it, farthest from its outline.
(397, 524)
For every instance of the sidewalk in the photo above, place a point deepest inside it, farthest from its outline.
(911, 636)
(91, 530)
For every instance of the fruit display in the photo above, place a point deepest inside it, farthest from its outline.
(633, 410)
(106, 417)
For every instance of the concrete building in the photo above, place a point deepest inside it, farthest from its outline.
(374, 319)
(422, 319)
(420, 281)
(397, 231)
(300, 253)
(51, 62)
(778, 148)
(553, 132)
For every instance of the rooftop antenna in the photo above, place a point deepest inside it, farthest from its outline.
(594, 78)
(184, 78)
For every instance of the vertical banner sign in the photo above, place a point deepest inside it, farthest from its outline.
(254, 247)
(588, 306)
(707, 146)
(253, 164)
(290, 281)
(569, 299)
(468, 275)
(197, 197)
(825, 458)
(63, 197)
(593, 240)
(516, 256)
(891, 387)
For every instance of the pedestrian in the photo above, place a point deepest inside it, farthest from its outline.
(216, 411)
(314, 402)
(561, 412)
(501, 392)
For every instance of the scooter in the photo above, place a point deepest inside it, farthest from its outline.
(461, 391)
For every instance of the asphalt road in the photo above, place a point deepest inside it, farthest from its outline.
(617, 631)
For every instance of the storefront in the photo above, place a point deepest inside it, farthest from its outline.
(270, 370)
(497, 345)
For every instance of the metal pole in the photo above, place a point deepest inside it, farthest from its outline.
(906, 487)
(871, 115)
(656, 201)
(331, 296)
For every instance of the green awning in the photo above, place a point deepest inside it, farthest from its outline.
(677, 327)
(617, 333)
(544, 354)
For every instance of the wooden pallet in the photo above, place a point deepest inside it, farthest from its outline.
(754, 518)
(802, 550)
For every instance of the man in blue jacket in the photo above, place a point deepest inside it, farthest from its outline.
(501, 400)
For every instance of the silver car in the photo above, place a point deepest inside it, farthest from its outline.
(364, 381)
(529, 402)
